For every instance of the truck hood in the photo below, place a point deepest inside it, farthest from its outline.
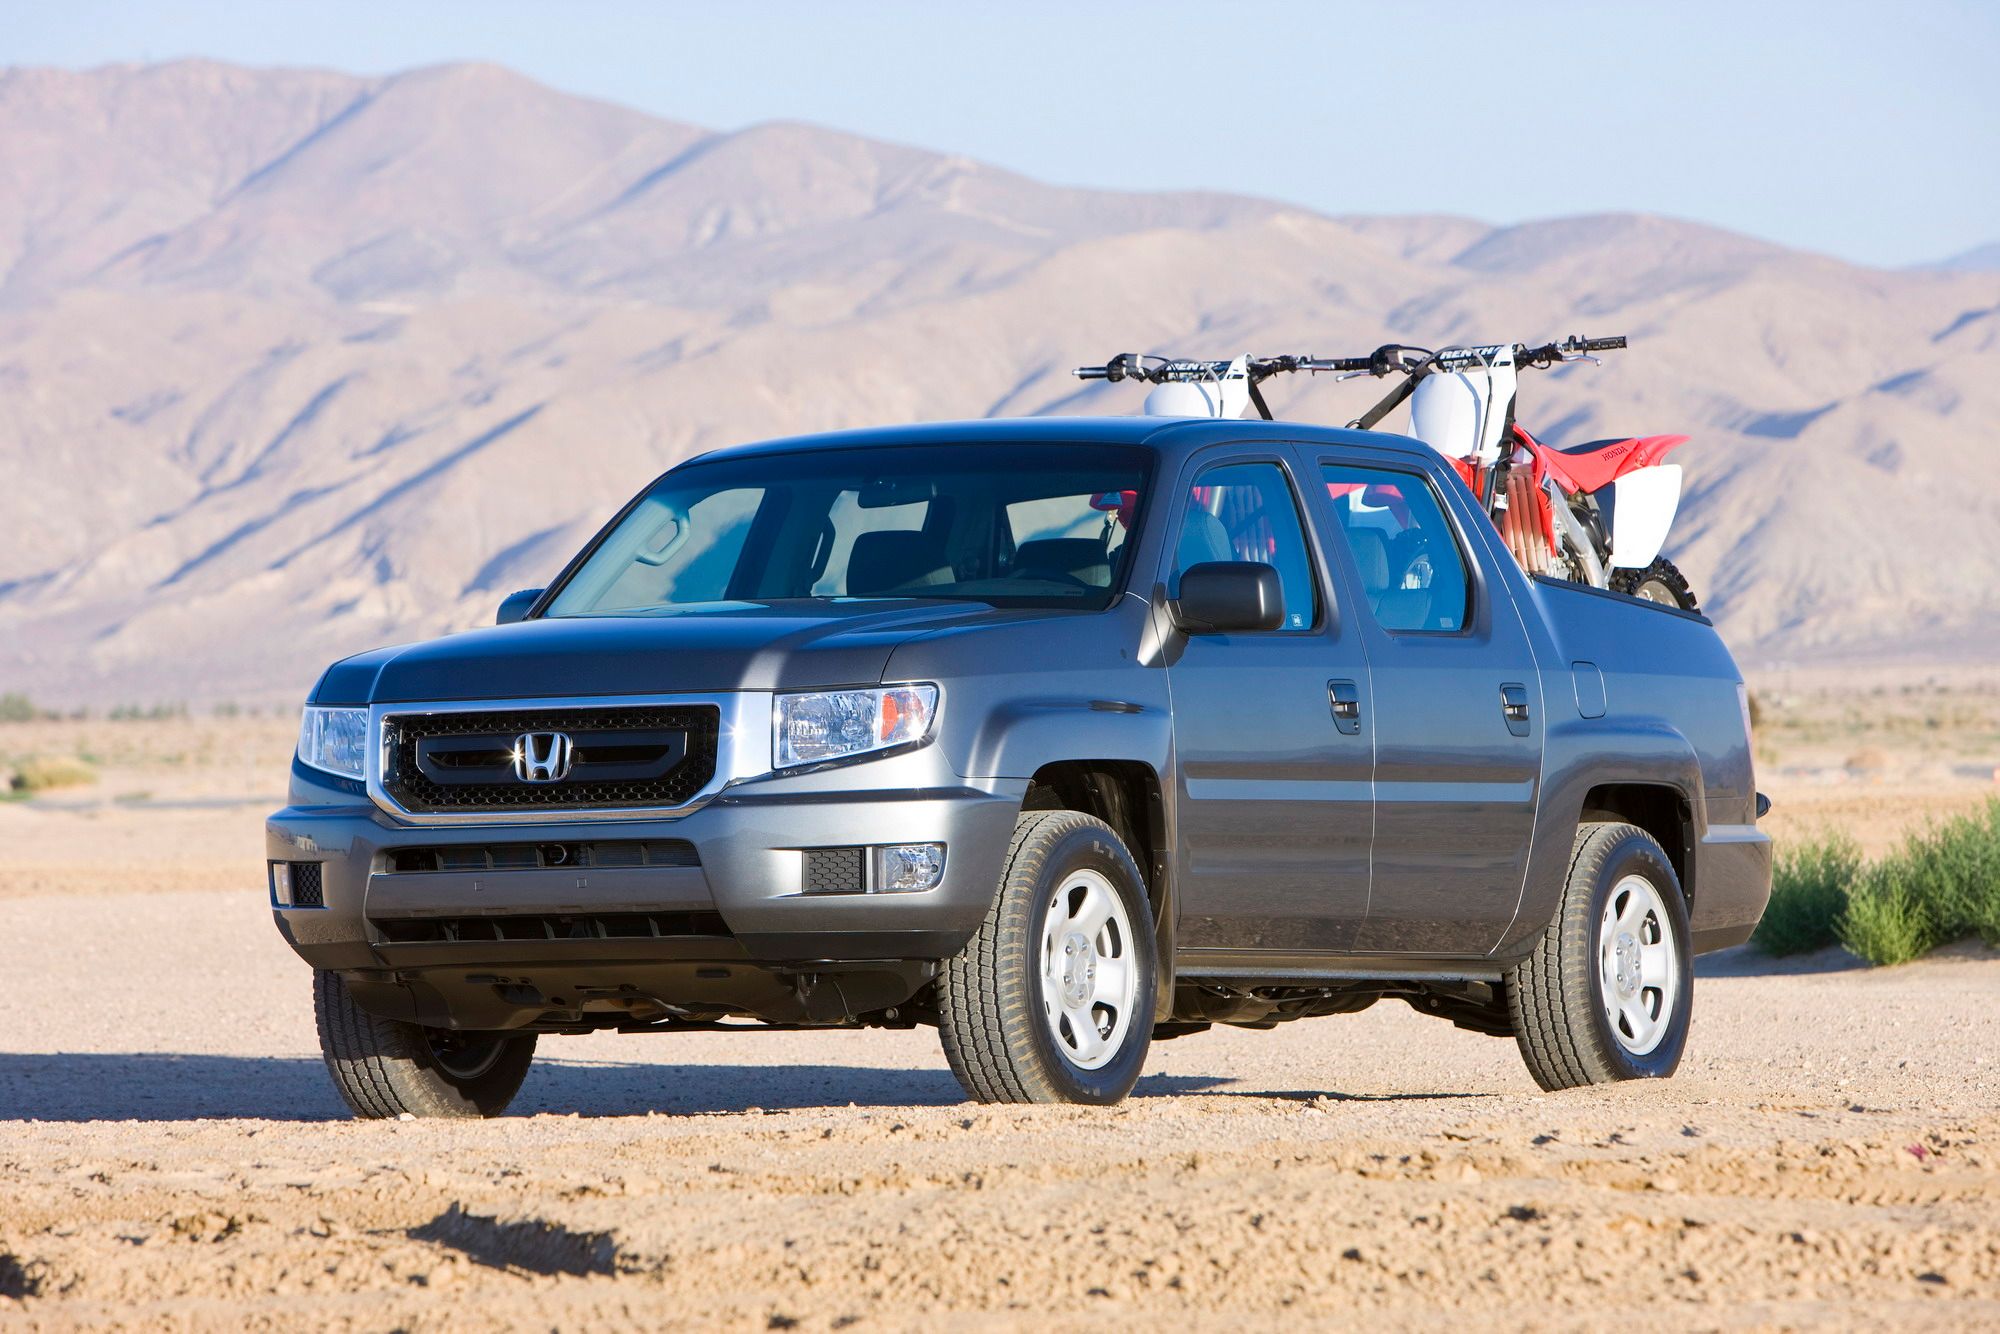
(754, 648)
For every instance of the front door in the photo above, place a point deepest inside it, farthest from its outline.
(1274, 807)
(1457, 712)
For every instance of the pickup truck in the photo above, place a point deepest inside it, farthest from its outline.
(1060, 735)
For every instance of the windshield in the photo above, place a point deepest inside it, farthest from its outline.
(1013, 526)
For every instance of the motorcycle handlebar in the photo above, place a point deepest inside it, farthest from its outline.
(1549, 353)
(1389, 359)
(1396, 357)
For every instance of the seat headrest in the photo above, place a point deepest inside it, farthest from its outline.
(891, 562)
(1371, 559)
(1203, 539)
(1083, 557)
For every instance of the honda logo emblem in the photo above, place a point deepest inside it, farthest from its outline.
(543, 757)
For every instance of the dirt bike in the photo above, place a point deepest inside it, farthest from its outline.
(1596, 513)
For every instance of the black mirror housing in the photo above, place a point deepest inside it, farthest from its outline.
(514, 607)
(1229, 597)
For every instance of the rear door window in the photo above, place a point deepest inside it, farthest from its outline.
(1413, 573)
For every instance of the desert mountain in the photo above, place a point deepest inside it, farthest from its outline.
(293, 363)
(1979, 259)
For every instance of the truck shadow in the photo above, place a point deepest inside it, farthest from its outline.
(1746, 961)
(174, 1086)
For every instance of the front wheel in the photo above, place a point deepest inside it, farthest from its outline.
(1052, 1000)
(387, 1068)
(1660, 582)
(1608, 991)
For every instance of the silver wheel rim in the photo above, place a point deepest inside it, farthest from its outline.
(465, 1058)
(1089, 976)
(1638, 965)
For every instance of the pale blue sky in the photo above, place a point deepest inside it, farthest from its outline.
(1869, 131)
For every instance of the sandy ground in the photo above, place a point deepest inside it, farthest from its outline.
(172, 1155)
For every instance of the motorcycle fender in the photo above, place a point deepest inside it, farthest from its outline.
(1643, 504)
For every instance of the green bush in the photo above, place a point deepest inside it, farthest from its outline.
(46, 773)
(1941, 885)
(133, 713)
(17, 708)
(1890, 917)
(1809, 888)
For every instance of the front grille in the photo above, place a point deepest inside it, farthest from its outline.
(834, 871)
(549, 926)
(636, 756)
(543, 856)
(308, 886)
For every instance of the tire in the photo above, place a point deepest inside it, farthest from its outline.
(386, 1068)
(1045, 1008)
(1660, 582)
(1597, 1001)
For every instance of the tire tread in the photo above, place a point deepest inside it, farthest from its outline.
(1552, 994)
(987, 991)
(377, 1064)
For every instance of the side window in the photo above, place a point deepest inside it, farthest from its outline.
(1246, 512)
(1413, 574)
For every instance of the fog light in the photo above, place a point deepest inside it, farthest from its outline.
(906, 867)
(281, 884)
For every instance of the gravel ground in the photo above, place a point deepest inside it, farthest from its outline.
(171, 1155)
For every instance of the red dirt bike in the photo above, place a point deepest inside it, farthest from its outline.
(1595, 513)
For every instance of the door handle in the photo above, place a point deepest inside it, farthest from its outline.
(1514, 707)
(1345, 699)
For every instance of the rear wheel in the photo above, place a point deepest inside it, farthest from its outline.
(1660, 582)
(1608, 992)
(386, 1068)
(1052, 1000)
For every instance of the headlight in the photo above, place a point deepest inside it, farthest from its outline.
(335, 740)
(834, 724)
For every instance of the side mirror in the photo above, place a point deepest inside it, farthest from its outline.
(1228, 596)
(514, 607)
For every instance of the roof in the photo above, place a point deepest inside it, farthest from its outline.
(1175, 435)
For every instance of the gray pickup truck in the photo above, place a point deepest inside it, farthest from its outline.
(1061, 735)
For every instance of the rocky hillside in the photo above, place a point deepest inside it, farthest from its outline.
(293, 363)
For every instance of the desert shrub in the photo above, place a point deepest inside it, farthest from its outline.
(1809, 887)
(1977, 901)
(1941, 885)
(1889, 917)
(17, 708)
(1955, 866)
(1871, 760)
(134, 713)
(46, 773)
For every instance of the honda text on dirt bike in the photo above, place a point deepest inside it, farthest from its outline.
(1596, 513)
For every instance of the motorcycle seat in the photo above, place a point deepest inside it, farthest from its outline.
(1596, 464)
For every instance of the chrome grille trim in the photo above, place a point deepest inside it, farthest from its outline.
(743, 751)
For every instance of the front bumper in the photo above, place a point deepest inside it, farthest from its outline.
(735, 909)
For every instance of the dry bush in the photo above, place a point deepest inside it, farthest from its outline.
(46, 773)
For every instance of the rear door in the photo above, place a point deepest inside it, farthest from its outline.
(1274, 811)
(1456, 707)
